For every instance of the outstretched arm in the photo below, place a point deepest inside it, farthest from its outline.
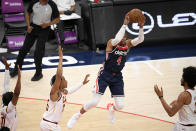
(7, 76)
(121, 32)
(55, 88)
(17, 88)
(75, 88)
(140, 38)
(174, 107)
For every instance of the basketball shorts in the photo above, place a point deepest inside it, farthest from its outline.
(113, 80)
(48, 126)
(179, 127)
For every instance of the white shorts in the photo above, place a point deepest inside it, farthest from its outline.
(179, 127)
(48, 126)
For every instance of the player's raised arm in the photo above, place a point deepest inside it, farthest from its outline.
(119, 36)
(7, 76)
(54, 90)
(140, 38)
(17, 88)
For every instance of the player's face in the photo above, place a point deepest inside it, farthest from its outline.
(182, 82)
(43, 2)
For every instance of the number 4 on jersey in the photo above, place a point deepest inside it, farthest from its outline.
(119, 60)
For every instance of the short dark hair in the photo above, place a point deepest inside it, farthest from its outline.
(7, 97)
(4, 129)
(52, 80)
(189, 76)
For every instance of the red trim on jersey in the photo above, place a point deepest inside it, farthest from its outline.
(97, 86)
(124, 47)
(106, 56)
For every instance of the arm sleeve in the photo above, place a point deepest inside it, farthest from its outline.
(138, 39)
(74, 88)
(119, 35)
(6, 81)
(30, 7)
(55, 11)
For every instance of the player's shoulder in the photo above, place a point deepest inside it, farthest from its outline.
(184, 96)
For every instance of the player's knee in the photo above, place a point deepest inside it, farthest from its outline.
(93, 103)
(119, 106)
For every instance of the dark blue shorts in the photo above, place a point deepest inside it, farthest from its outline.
(113, 80)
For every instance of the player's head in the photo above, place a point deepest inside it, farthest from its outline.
(52, 80)
(7, 97)
(43, 2)
(189, 77)
(4, 129)
(63, 83)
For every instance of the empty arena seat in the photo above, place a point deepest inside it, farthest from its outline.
(14, 20)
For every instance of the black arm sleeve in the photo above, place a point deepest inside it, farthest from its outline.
(30, 7)
(55, 11)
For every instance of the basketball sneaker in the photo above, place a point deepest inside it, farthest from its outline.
(111, 114)
(71, 123)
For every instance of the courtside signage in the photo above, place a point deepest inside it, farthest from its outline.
(47, 62)
(179, 19)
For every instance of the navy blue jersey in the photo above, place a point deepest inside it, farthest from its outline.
(115, 60)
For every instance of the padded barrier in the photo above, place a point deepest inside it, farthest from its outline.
(15, 42)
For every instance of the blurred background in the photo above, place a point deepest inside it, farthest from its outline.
(170, 29)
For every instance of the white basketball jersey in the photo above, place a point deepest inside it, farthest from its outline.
(54, 110)
(187, 114)
(9, 116)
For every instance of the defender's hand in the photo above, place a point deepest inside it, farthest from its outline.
(158, 91)
(86, 79)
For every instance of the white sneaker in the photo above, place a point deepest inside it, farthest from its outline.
(111, 114)
(71, 123)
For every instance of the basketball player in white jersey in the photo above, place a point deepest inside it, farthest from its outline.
(56, 103)
(185, 104)
(10, 99)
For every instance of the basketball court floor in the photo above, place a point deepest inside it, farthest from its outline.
(142, 110)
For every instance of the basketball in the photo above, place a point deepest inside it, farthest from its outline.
(135, 15)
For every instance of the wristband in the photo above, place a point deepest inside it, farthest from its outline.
(160, 97)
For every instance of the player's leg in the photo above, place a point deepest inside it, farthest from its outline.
(39, 53)
(117, 91)
(119, 104)
(28, 43)
(100, 89)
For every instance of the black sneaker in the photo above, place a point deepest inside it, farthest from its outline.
(13, 72)
(37, 77)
